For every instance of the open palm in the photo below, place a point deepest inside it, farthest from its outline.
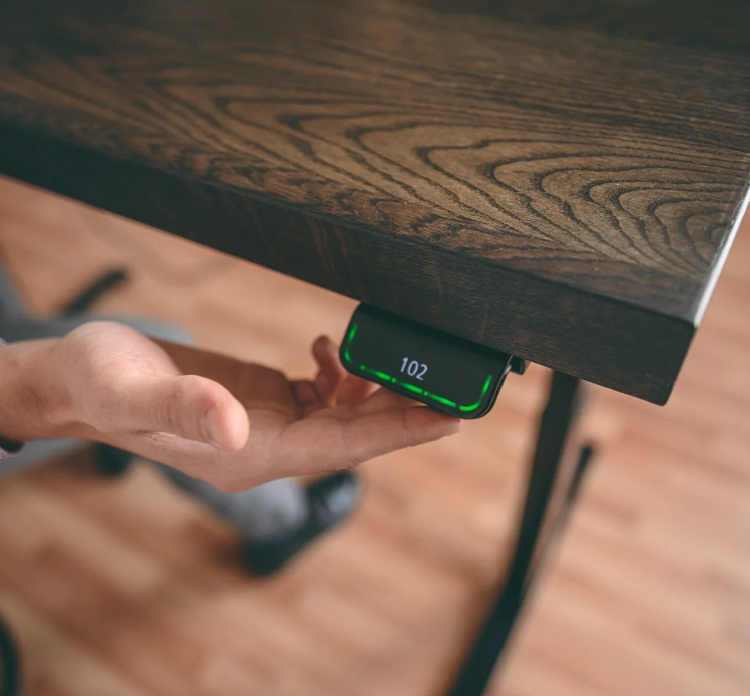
(232, 423)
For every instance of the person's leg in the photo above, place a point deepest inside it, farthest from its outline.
(276, 520)
(267, 512)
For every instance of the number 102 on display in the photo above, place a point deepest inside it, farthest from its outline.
(413, 368)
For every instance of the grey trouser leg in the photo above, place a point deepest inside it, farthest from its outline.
(268, 511)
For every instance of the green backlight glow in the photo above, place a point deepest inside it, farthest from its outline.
(382, 375)
(447, 402)
(481, 396)
(411, 387)
(349, 340)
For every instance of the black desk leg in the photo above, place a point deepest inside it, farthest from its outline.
(551, 490)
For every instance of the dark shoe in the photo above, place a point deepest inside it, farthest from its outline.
(111, 461)
(330, 501)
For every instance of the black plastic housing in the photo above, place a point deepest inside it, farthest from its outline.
(430, 366)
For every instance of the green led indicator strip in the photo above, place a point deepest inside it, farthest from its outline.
(411, 387)
(349, 340)
(447, 402)
(475, 406)
(382, 375)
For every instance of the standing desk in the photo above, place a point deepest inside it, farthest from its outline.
(558, 180)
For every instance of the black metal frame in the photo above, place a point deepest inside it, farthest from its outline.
(553, 439)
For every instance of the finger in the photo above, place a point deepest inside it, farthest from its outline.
(331, 373)
(383, 399)
(355, 390)
(305, 394)
(375, 434)
(190, 407)
(326, 444)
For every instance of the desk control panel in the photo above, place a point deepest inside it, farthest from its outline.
(440, 370)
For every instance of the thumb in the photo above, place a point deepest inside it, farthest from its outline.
(191, 407)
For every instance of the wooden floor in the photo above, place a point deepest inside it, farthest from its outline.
(125, 588)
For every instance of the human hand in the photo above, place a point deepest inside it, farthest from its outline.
(231, 423)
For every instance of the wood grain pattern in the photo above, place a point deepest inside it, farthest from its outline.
(541, 180)
(126, 588)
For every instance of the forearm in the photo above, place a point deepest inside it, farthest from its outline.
(33, 399)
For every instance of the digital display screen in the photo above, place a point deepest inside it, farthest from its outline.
(437, 369)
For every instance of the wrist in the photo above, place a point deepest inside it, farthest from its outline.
(34, 400)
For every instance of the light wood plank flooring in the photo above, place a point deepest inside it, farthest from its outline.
(126, 588)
